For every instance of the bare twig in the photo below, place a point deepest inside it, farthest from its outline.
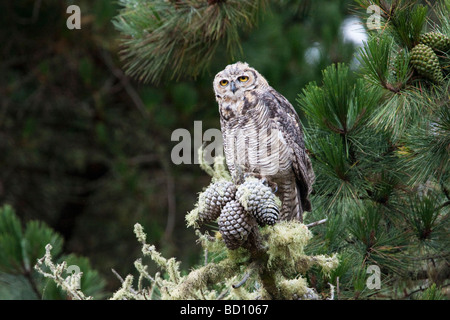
(117, 275)
(121, 279)
(125, 82)
(206, 256)
(244, 280)
(421, 288)
(313, 224)
(171, 202)
(223, 294)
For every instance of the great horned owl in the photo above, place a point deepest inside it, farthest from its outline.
(262, 137)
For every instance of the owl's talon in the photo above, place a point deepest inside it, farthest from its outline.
(274, 187)
(265, 182)
(247, 175)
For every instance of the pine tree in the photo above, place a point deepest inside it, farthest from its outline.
(380, 146)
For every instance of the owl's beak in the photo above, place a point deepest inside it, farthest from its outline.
(233, 86)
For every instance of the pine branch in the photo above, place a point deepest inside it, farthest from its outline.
(316, 223)
(177, 38)
(244, 279)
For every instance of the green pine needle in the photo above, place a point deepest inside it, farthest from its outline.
(375, 59)
(407, 22)
(428, 145)
(178, 38)
(341, 105)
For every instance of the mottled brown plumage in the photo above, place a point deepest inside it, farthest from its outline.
(262, 136)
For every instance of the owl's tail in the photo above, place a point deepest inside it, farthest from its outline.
(303, 197)
(298, 208)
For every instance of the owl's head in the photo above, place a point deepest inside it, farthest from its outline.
(235, 80)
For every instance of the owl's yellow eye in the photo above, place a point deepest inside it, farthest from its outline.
(223, 83)
(243, 78)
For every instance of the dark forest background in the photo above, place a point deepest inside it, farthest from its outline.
(86, 149)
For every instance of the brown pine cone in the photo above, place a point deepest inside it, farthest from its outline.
(214, 198)
(259, 200)
(235, 224)
(267, 214)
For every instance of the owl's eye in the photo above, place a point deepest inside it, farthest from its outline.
(243, 78)
(223, 83)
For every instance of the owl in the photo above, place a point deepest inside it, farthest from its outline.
(262, 137)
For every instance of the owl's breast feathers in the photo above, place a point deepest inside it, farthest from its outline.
(233, 109)
(262, 134)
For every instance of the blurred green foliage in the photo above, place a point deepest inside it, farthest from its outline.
(20, 247)
(86, 149)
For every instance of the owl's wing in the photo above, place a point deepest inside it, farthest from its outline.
(282, 111)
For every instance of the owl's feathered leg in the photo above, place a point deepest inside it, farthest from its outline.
(288, 194)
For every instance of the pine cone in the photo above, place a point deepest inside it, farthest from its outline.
(259, 200)
(235, 224)
(436, 41)
(214, 198)
(426, 62)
